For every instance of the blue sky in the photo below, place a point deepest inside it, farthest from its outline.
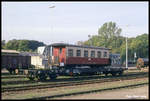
(70, 22)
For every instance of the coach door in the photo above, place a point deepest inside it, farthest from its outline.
(62, 56)
(55, 57)
(59, 56)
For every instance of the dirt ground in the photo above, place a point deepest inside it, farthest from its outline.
(140, 92)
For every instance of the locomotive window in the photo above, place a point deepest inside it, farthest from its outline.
(78, 52)
(99, 54)
(92, 54)
(85, 53)
(105, 54)
(70, 52)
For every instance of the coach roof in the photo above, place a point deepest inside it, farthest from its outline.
(82, 46)
(10, 51)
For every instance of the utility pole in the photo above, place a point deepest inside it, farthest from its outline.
(50, 57)
(51, 7)
(90, 40)
(126, 53)
(134, 56)
(127, 50)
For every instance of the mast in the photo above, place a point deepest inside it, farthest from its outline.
(126, 53)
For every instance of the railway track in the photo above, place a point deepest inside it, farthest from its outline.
(73, 83)
(13, 76)
(17, 82)
(83, 92)
(26, 81)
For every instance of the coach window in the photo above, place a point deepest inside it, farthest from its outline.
(70, 52)
(60, 50)
(92, 54)
(99, 54)
(85, 53)
(78, 52)
(105, 54)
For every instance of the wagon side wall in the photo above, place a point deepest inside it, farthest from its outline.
(16, 61)
(81, 60)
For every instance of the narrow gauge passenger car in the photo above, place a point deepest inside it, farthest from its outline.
(75, 55)
(76, 59)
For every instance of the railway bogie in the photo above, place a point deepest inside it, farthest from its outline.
(41, 74)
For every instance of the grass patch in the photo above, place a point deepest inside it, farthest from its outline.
(14, 79)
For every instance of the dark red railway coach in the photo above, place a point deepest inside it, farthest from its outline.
(75, 55)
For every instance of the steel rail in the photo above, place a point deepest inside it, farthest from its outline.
(74, 83)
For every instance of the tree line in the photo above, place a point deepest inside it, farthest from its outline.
(109, 36)
(22, 45)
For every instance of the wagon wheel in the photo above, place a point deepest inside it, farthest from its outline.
(106, 74)
(53, 76)
(31, 76)
(113, 74)
(12, 72)
(120, 73)
(42, 77)
(16, 71)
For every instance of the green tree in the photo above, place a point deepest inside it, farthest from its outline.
(12, 44)
(109, 34)
(142, 46)
(33, 44)
(23, 45)
(3, 44)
